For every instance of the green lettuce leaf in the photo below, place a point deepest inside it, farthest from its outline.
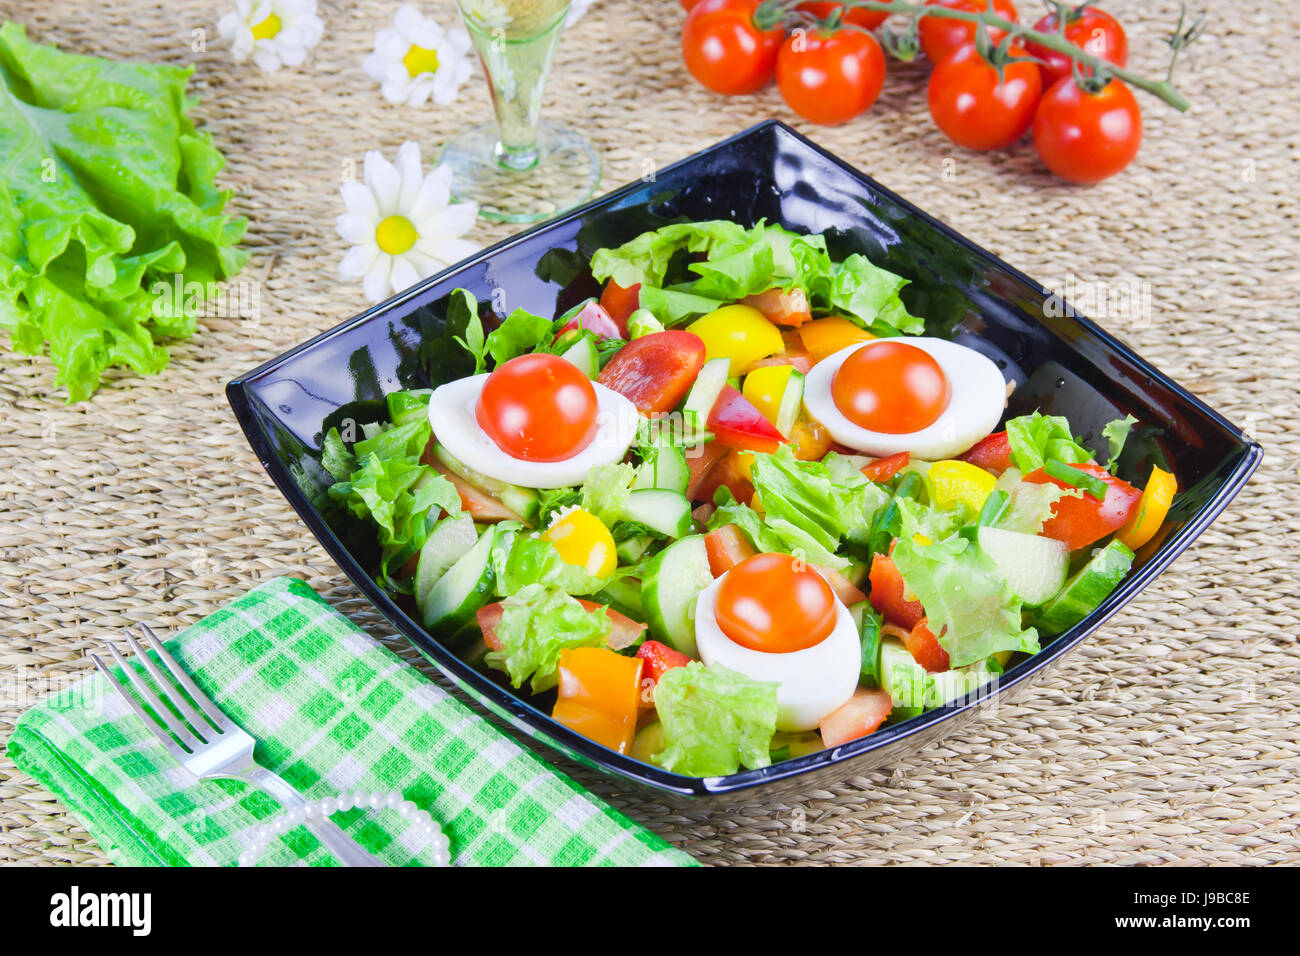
(1031, 504)
(1035, 439)
(112, 234)
(606, 489)
(531, 559)
(969, 606)
(715, 720)
(521, 332)
(537, 623)
(645, 259)
(1116, 434)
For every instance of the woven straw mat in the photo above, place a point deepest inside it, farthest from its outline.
(1169, 737)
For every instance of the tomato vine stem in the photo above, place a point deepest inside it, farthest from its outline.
(771, 13)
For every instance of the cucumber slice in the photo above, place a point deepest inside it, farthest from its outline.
(791, 401)
(956, 684)
(704, 393)
(583, 354)
(624, 596)
(900, 674)
(522, 501)
(465, 587)
(631, 550)
(667, 512)
(664, 468)
(673, 580)
(1086, 589)
(447, 544)
(1033, 566)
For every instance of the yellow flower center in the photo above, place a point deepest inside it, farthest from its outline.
(395, 235)
(267, 28)
(419, 60)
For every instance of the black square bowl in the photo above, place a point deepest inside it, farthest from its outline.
(1061, 362)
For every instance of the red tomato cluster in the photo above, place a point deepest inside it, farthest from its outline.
(831, 76)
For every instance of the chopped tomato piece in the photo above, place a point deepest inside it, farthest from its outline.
(860, 715)
(700, 461)
(736, 422)
(659, 658)
(620, 303)
(730, 473)
(1081, 521)
(727, 547)
(655, 371)
(599, 695)
(926, 649)
(480, 505)
(783, 308)
(887, 591)
(823, 337)
(623, 632)
(800, 360)
(595, 319)
(882, 469)
(844, 589)
(992, 453)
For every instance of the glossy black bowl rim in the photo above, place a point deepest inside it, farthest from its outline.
(534, 722)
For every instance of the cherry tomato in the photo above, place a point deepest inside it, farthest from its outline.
(538, 407)
(775, 603)
(1087, 137)
(655, 371)
(925, 648)
(887, 592)
(1095, 30)
(891, 387)
(992, 453)
(829, 78)
(723, 49)
(1081, 521)
(974, 109)
(867, 19)
(941, 37)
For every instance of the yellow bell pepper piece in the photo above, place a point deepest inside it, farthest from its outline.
(823, 337)
(740, 333)
(1152, 509)
(953, 482)
(764, 388)
(599, 693)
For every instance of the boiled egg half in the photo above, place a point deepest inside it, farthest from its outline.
(774, 618)
(535, 421)
(927, 396)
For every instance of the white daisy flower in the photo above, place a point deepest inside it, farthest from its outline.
(402, 224)
(274, 33)
(414, 60)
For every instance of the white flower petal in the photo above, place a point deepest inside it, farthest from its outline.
(451, 221)
(404, 275)
(267, 60)
(376, 285)
(356, 229)
(383, 181)
(360, 201)
(407, 19)
(435, 193)
(446, 251)
(408, 167)
(358, 260)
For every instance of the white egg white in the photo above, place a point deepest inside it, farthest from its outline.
(813, 682)
(979, 394)
(451, 413)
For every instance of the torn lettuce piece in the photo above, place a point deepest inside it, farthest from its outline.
(715, 720)
(537, 623)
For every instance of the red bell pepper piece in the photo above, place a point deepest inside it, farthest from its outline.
(992, 453)
(736, 422)
(620, 303)
(655, 371)
(925, 648)
(882, 469)
(887, 594)
(659, 658)
(1081, 521)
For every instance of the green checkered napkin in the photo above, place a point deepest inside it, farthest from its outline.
(332, 710)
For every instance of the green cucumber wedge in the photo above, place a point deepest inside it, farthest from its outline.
(900, 674)
(704, 393)
(447, 543)
(956, 684)
(467, 585)
(584, 355)
(1034, 567)
(522, 501)
(1086, 589)
(791, 401)
(667, 512)
(673, 580)
(664, 469)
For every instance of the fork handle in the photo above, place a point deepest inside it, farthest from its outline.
(348, 852)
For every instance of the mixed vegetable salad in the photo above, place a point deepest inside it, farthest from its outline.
(740, 507)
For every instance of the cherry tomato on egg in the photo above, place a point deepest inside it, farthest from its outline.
(1087, 137)
(866, 19)
(891, 388)
(538, 407)
(978, 109)
(941, 36)
(1093, 29)
(829, 78)
(723, 49)
(775, 603)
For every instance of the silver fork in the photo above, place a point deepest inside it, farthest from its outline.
(211, 745)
